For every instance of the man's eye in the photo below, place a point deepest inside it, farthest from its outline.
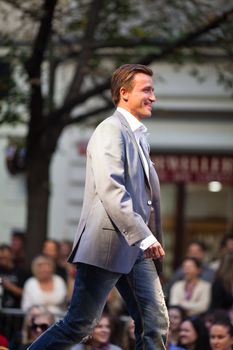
(148, 90)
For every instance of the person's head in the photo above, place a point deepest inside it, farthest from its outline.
(226, 244)
(176, 315)
(225, 271)
(128, 335)
(131, 326)
(65, 247)
(194, 334)
(42, 267)
(6, 257)
(51, 249)
(17, 241)
(132, 88)
(197, 249)
(214, 315)
(41, 323)
(102, 331)
(191, 268)
(221, 335)
(30, 315)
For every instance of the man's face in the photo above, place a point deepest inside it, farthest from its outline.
(139, 100)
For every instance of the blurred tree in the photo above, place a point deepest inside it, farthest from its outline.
(96, 36)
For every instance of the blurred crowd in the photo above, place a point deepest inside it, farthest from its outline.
(199, 297)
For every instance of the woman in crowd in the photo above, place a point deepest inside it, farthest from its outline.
(194, 335)
(25, 336)
(114, 304)
(176, 316)
(100, 337)
(221, 335)
(222, 288)
(128, 336)
(44, 287)
(39, 324)
(191, 293)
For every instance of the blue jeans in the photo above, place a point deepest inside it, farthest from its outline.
(142, 292)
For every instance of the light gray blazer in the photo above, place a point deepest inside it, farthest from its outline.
(118, 199)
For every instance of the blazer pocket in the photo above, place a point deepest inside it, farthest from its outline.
(108, 229)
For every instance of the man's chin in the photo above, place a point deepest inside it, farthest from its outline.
(146, 115)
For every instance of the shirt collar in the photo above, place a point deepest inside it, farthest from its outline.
(136, 126)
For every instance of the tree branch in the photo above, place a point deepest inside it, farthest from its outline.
(34, 63)
(19, 6)
(84, 116)
(214, 22)
(86, 50)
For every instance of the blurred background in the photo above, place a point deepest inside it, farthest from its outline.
(56, 58)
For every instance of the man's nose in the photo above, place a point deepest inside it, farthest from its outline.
(153, 97)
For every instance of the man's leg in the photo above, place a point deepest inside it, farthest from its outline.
(142, 292)
(91, 289)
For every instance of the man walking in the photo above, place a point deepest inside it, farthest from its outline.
(114, 245)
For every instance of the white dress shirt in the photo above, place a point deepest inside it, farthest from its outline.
(139, 131)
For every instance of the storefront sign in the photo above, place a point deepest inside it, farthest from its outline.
(194, 168)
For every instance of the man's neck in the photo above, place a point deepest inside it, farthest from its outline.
(127, 110)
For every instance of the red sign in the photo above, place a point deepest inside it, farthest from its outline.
(194, 168)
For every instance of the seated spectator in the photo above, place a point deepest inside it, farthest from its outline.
(194, 335)
(100, 338)
(192, 293)
(222, 288)
(226, 246)
(128, 337)
(221, 335)
(71, 271)
(12, 279)
(211, 316)
(40, 324)
(176, 316)
(64, 250)
(51, 249)
(45, 287)
(17, 244)
(198, 250)
(25, 336)
(114, 304)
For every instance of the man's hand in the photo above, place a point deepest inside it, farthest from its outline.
(155, 251)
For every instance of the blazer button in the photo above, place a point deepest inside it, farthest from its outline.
(149, 202)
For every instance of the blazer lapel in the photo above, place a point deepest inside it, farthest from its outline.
(130, 132)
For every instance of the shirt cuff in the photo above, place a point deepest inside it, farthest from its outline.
(146, 242)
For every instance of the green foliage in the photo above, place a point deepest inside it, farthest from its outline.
(127, 31)
(13, 104)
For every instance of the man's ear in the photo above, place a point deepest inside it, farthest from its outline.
(124, 94)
